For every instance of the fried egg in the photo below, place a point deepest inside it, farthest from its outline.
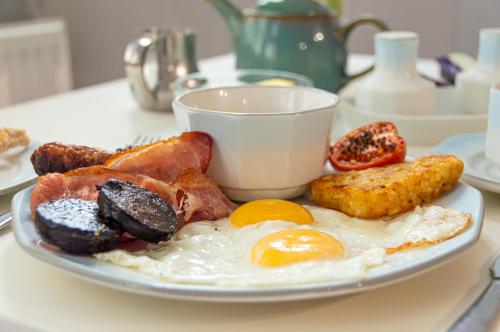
(274, 242)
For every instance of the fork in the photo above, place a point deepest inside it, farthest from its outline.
(483, 311)
(146, 139)
(6, 218)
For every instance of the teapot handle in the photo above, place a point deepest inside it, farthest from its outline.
(344, 33)
(135, 58)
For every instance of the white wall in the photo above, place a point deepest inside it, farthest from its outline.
(11, 10)
(434, 20)
(444, 25)
(472, 15)
(100, 29)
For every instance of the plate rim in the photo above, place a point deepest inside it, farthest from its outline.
(476, 180)
(24, 181)
(348, 99)
(208, 293)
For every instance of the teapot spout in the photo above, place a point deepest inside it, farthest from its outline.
(232, 15)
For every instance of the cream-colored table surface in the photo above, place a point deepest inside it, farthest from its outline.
(36, 294)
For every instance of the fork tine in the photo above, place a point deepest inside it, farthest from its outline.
(146, 139)
(137, 140)
(152, 139)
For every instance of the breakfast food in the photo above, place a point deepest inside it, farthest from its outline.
(59, 158)
(75, 226)
(194, 195)
(389, 190)
(137, 211)
(162, 160)
(373, 145)
(12, 137)
(279, 252)
(156, 193)
(270, 209)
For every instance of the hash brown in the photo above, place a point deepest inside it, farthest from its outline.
(387, 191)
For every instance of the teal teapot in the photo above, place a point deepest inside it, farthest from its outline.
(300, 36)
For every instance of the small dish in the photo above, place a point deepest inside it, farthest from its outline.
(16, 170)
(288, 128)
(238, 77)
(462, 198)
(479, 170)
(419, 129)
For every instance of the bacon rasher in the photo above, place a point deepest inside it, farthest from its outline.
(192, 193)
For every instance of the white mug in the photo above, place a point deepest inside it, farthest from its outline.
(394, 86)
(473, 85)
(269, 142)
(493, 132)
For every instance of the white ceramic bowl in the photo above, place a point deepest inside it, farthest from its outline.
(270, 142)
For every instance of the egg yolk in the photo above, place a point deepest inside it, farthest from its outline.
(295, 245)
(270, 209)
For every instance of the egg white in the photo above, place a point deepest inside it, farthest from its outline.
(218, 253)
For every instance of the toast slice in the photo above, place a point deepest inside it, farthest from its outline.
(12, 137)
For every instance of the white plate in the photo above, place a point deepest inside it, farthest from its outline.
(419, 129)
(462, 198)
(16, 170)
(479, 171)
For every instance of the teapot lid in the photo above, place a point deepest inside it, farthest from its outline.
(290, 7)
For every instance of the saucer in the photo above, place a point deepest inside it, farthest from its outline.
(479, 170)
(418, 129)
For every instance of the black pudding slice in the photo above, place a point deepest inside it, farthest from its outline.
(75, 226)
(137, 211)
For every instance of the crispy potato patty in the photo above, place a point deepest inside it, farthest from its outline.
(387, 191)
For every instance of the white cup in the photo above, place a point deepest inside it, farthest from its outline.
(394, 86)
(473, 85)
(492, 149)
(269, 142)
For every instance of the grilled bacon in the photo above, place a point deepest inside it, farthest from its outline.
(193, 194)
(165, 159)
(162, 160)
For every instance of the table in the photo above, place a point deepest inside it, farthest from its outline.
(35, 294)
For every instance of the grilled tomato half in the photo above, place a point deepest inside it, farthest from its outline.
(373, 145)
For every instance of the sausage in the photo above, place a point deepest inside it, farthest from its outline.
(59, 158)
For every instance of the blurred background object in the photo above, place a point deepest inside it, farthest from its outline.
(155, 60)
(99, 30)
(239, 77)
(301, 36)
(35, 60)
(474, 84)
(394, 86)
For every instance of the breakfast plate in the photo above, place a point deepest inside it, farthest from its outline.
(479, 170)
(15, 168)
(437, 127)
(462, 198)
